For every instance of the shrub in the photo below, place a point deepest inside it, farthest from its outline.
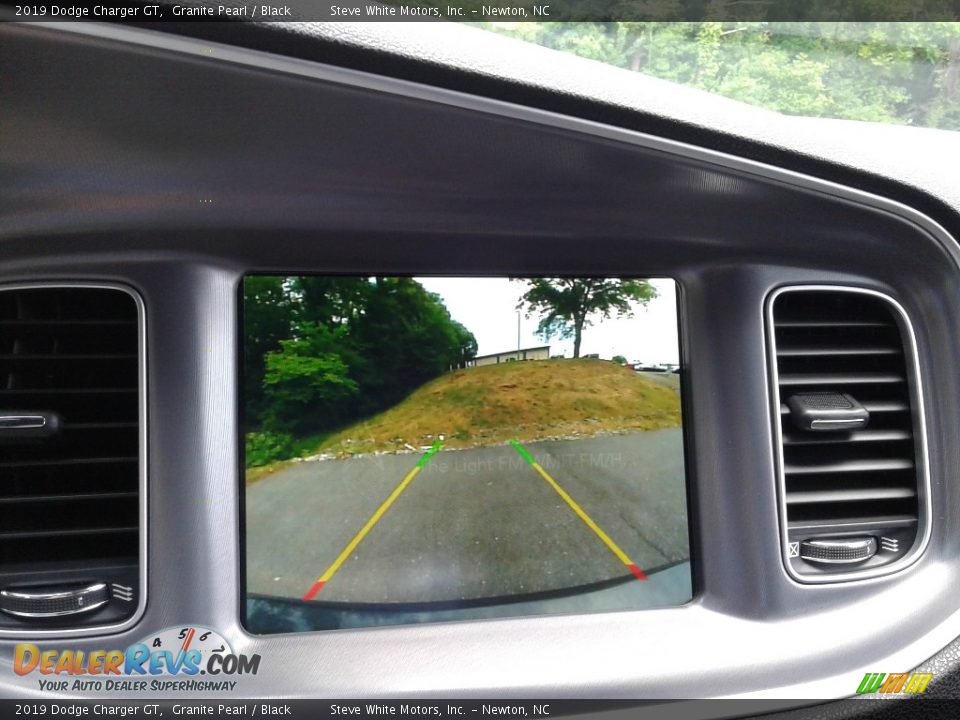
(263, 448)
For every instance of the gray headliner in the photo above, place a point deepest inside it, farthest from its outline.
(110, 175)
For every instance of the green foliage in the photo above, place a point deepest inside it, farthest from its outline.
(307, 380)
(405, 337)
(321, 352)
(567, 305)
(619, 359)
(267, 319)
(890, 72)
(263, 448)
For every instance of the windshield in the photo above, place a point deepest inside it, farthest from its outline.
(901, 73)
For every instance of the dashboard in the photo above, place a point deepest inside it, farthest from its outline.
(172, 167)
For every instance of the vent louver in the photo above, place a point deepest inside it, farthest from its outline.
(70, 455)
(853, 483)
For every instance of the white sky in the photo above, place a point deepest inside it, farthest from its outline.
(487, 307)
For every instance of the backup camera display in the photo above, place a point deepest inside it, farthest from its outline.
(422, 449)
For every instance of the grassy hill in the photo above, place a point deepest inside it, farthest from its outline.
(489, 405)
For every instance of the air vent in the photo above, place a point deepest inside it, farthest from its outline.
(70, 457)
(852, 463)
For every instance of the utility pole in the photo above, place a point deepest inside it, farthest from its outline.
(518, 335)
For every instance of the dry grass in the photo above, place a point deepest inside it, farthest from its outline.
(528, 401)
(252, 474)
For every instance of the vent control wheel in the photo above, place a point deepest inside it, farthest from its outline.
(838, 550)
(53, 602)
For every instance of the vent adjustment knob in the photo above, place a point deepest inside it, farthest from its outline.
(47, 602)
(839, 550)
(827, 411)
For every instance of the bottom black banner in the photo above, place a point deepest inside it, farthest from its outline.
(461, 709)
(412, 709)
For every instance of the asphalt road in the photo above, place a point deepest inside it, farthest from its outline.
(472, 524)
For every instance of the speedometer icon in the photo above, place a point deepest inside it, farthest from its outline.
(182, 639)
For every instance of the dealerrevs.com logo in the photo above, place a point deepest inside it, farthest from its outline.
(172, 660)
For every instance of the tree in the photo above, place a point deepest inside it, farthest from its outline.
(405, 337)
(890, 72)
(307, 382)
(268, 318)
(322, 351)
(567, 304)
(619, 359)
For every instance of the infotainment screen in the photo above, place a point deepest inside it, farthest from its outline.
(427, 449)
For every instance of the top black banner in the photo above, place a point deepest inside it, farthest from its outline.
(140, 11)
